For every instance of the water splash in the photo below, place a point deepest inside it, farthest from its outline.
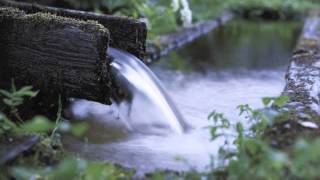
(143, 104)
(229, 67)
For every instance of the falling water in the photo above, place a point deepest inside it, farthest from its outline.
(145, 104)
(140, 105)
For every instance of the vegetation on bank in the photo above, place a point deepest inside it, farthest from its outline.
(163, 16)
(255, 156)
(46, 159)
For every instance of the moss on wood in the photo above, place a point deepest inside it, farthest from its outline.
(126, 33)
(56, 55)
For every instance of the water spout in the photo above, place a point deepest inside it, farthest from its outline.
(143, 103)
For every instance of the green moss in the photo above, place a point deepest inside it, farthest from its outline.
(8, 11)
(50, 20)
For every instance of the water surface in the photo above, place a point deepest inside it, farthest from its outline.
(237, 64)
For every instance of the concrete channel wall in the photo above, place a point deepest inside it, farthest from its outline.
(303, 75)
(303, 89)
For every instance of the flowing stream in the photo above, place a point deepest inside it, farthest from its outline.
(237, 64)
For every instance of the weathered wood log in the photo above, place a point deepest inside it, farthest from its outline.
(126, 33)
(54, 54)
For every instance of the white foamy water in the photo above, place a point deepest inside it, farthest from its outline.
(145, 106)
(229, 67)
(196, 96)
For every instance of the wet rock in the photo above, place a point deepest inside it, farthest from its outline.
(12, 147)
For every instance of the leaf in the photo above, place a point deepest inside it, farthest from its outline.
(211, 115)
(281, 101)
(213, 132)
(266, 101)
(5, 93)
(38, 124)
(252, 146)
(239, 128)
(8, 102)
(15, 98)
(244, 108)
(25, 88)
(7, 123)
(96, 171)
(69, 168)
(26, 91)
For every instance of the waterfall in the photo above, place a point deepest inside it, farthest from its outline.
(142, 102)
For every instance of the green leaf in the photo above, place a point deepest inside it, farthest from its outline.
(239, 128)
(252, 146)
(69, 168)
(7, 123)
(38, 124)
(266, 101)
(26, 91)
(281, 101)
(244, 108)
(8, 102)
(213, 132)
(212, 114)
(5, 93)
(225, 123)
(96, 171)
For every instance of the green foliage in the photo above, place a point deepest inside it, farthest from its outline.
(6, 124)
(162, 17)
(37, 125)
(255, 158)
(207, 9)
(72, 168)
(278, 101)
(48, 147)
(11, 100)
(219, 123)
(293, 5)
(14, 97)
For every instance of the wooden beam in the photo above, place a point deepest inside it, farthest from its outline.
(126, 33)
(56, 55)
